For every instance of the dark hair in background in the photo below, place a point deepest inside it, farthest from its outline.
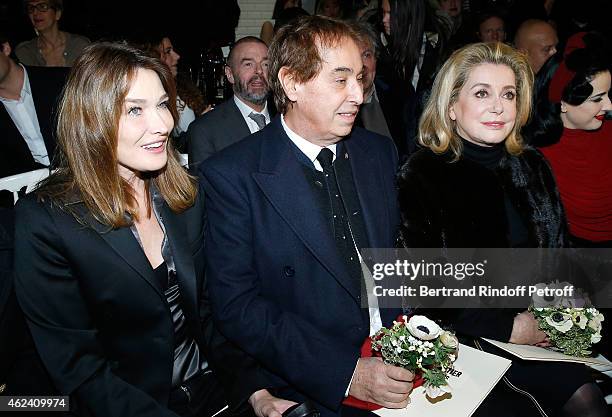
(287, 16)
(545, 128)
(483, 17)
(367, 33)
(279, 6)
(409, 20)
(3, 38)
(151, 43)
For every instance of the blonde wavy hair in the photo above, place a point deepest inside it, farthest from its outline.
(436, 129)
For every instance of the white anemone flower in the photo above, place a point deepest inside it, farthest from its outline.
(595, 337)
(423, 328)
(449, 340)
(560, 321)
(435, 392)
(595, 322)
(540, 301)
(580, 320)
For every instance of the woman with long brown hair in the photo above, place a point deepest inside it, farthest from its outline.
(109, 257)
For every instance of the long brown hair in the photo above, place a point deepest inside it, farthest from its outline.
(87, 134)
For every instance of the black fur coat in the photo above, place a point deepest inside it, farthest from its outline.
(460, 204)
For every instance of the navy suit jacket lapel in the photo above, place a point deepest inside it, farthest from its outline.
(369, 183)
(281, 178)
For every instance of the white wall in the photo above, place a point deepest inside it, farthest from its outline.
(252, 15)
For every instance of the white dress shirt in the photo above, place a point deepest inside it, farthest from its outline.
(308, 148)
(23, 113)
(245, 110)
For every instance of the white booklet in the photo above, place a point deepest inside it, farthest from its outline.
(535, 353)
(474, 376)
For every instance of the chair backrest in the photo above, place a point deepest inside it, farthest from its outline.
(16, 183)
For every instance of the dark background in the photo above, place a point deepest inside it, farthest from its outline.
(196, 26)
(193, 26)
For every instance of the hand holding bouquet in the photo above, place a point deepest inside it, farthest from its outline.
(571, 330)
(421, 346)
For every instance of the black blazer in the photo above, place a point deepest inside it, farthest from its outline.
(46, 84)
(99, 319)
(21, 370)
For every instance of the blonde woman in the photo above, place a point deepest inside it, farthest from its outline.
(476, 185)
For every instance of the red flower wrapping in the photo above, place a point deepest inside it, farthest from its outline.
(366, 352)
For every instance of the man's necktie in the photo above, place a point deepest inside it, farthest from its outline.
(260, 119)
(339, 221)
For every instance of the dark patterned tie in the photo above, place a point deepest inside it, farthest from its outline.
(259, 118)
(340, 224)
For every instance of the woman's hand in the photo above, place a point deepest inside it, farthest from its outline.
(525, 331)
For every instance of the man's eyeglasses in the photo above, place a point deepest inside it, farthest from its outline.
(39, 7)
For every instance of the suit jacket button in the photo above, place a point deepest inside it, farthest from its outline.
(289, 271)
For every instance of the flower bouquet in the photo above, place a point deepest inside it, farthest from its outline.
(421, 346)
(571, 330)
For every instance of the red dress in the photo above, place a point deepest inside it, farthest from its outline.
(582, 165)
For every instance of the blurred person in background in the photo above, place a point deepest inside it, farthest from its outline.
(330, 8)
(413, 48)
(371, 114)
(51, 47)
(570, 127)
(248, 111)
(28, 102)
(490, 27)
(268, 27)
(538, 39)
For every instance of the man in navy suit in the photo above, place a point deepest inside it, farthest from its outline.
(289, 211)
(245, 113)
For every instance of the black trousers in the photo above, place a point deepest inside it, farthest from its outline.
(200, 396)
